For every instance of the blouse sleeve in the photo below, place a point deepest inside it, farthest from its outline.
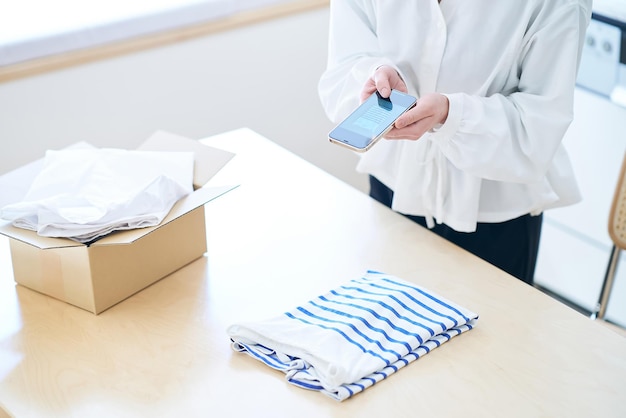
(514, 137)
(353, 55)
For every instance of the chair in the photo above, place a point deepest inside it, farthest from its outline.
(617, 232)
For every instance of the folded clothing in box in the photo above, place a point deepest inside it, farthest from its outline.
(98, 275)
(355, 335)
(86, 193)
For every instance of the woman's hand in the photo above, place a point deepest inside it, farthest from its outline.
(384, 79)
(430, 111)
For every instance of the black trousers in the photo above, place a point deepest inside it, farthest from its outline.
(512, 245)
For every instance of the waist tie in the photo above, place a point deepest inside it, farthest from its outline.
(434, 187)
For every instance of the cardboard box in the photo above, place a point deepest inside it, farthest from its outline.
(113, 268)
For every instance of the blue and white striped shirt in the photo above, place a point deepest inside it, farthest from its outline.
(355, 335)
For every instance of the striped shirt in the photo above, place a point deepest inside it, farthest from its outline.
(354, 336)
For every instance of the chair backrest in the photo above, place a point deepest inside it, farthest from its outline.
(617, 218)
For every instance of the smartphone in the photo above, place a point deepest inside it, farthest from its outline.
(371, 120)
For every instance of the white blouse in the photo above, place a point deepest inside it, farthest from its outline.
(508, 69)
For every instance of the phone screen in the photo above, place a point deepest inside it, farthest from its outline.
(371, 120)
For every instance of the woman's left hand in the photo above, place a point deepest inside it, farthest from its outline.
(429, 112)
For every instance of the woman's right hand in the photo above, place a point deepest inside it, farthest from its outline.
(384, 79)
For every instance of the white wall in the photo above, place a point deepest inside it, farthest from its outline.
(263, 76)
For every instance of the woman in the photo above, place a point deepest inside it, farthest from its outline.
(479, 158)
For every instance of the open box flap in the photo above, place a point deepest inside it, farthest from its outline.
(207, 160)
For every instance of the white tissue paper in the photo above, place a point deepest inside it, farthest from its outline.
(84, 194)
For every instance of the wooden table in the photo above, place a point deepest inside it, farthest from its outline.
(289, 233)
